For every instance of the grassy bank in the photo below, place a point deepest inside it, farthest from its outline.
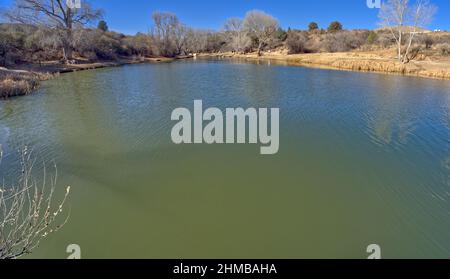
(369, 61)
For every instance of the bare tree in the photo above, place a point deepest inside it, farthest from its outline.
(26, 211)
(196, 40)
(421, 15)
(261, 26)
(179, 37)
(238, 37)
(393, 14)
(404, 19)
(163, 32)
(55, 14)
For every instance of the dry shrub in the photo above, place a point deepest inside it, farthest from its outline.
(16, 85)
(443, 49)
(344, 41)
(296, 42)
(27, 214)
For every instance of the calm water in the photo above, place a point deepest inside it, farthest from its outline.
(364, 158)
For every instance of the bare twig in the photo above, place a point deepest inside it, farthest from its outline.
(26, 211)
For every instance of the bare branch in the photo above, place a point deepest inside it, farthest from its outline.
(26, 211)
(403, 19)
(261, 26)
(54, 14)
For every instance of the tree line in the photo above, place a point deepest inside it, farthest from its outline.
(43, 30)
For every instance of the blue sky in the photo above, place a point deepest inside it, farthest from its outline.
(131, 16)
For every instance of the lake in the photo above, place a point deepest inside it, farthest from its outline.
(364, 159)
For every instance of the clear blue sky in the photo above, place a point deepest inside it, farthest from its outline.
(131, 16)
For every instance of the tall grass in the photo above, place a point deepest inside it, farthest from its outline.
(19, 83)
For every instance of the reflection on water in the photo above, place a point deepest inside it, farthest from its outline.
(364, 158)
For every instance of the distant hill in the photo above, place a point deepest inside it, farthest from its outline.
(406, 29)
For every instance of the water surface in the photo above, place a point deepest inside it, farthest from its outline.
(364, 158)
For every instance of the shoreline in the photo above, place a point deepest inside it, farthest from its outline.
(349, 61)
(24, 79)
(21, 80)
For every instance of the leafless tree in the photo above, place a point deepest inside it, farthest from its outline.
(179, 37)
(404, 19)
(55, 14)
(261, 26)
(196, 40)
(163, 32)
(27, 214)
(237, 35)
(421, 15)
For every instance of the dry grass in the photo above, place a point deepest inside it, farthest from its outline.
(19, 83)
(382, 61)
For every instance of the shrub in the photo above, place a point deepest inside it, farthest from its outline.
(96, 44)
(313, 26)
(17, 83)
(102, 25)
(444, 49)
(140, 44)
(281, 35)
(335, 26)
(12, 41)
(296, 42)
(428, 41)
(372, 37)
(344, 41)
(385, 39)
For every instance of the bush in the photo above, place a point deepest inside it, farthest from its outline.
(12, 43)
(215, 42)
(428, 41)
(444, 49)
(313, 26)
(96, 44)
(344, 41)
(385, 39)
(296, 42)
(102, 25)
(281, 35)
(335, 26)
(372, 37)
(17, 83)
(140, 44)
(442, 39)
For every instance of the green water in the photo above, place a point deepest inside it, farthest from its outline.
(364, 158)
